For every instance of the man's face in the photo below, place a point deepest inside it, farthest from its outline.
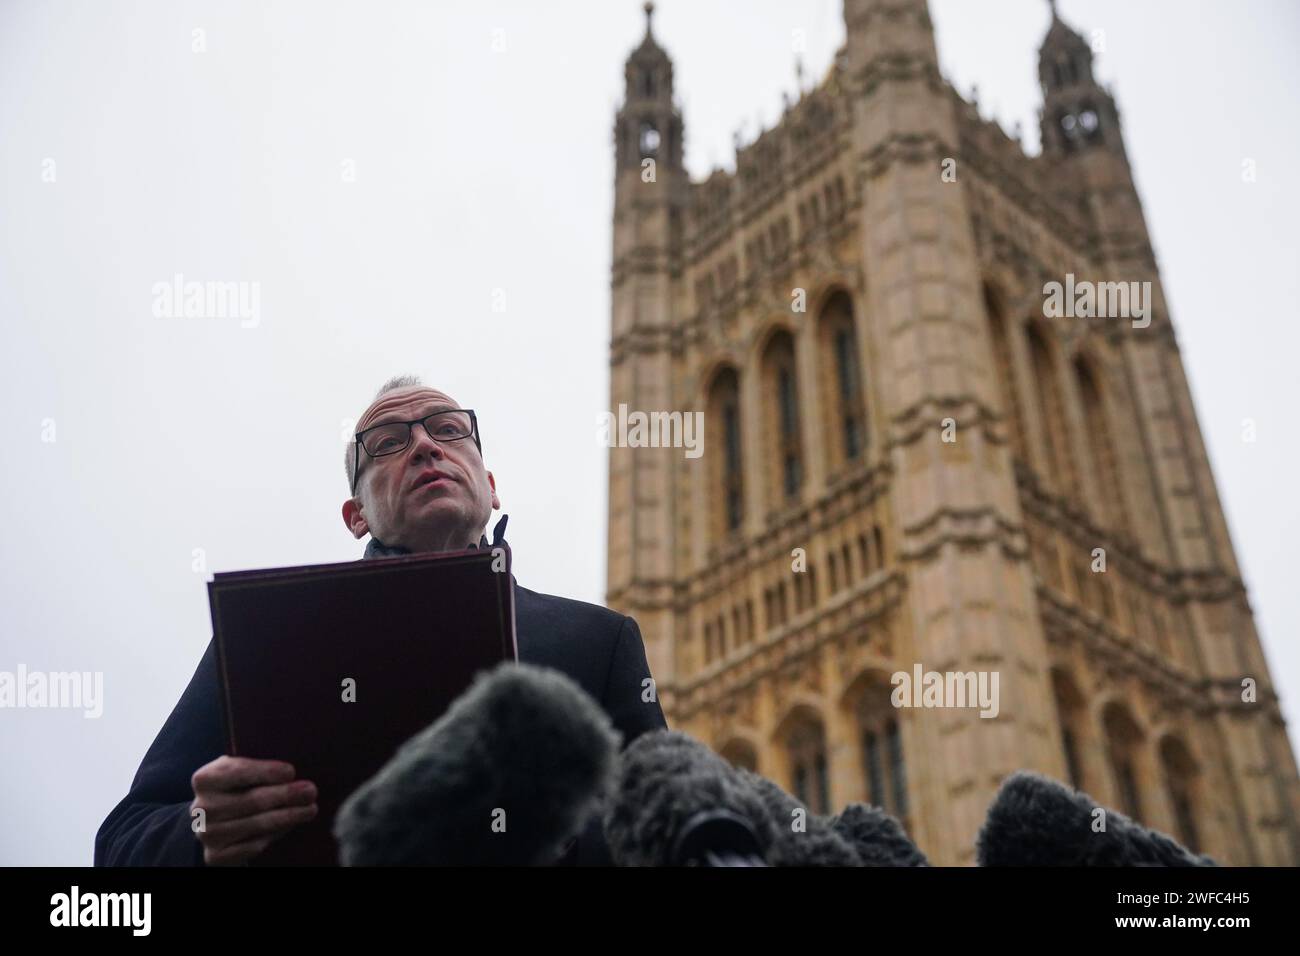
(431, 496)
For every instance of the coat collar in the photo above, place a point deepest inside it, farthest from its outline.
(377, 549)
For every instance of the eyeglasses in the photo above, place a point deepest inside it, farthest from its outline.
(451, 424)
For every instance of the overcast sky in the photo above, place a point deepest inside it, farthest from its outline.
(386, 174)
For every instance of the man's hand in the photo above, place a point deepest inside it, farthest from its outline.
(247, 804)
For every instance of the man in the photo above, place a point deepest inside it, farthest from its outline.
(418, 484)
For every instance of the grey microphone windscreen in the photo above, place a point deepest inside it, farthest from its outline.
(504, 777)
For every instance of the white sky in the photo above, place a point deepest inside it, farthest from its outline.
(475, 170)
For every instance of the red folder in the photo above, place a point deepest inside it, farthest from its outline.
(409, 632)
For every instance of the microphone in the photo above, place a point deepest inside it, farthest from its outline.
(677, 803)
(878, 838)
(1035, 821)
(860, 835)
(505, 777)
(802, 838)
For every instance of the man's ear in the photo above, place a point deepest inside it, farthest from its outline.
(492, 483)
(354, 519)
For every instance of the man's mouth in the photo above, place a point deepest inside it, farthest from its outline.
(431, 479)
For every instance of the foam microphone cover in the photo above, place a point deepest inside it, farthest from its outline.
(524, 746)
(860, 835)
(878, 838)
(1035, 821)
(667, 783)
(802, 838)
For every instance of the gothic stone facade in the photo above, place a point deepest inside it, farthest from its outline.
(919, 466)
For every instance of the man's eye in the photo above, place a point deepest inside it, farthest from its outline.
(448, 429)
(386, 444)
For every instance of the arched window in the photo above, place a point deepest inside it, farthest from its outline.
(1123, 746)
(897, 768)
(728, 473)
(783, 425)
(1180, 774)
(1003, 369)
(1070, 711)
(843, 393)
(806, 745)
(875, 768)
(1101, 446)
(883, 763)
(1052, 413)
(734, 483)
(846, 375)
(791, 477)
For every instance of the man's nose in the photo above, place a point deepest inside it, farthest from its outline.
(422, 443)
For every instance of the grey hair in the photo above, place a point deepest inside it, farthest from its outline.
(392, 385)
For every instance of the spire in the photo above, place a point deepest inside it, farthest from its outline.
(648, 123)
(1064, 58)
(650, 57)
(649, 46)
(1060, 38)
(648, 71)
(1077, 112)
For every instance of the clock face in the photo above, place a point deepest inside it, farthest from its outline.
(1088, 120)
(649, 139)
(1070, 124)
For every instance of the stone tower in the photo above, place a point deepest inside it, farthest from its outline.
(911, 464)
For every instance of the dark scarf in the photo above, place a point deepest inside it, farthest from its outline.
(377, 549)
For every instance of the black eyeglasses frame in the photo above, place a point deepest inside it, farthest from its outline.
(424, 420)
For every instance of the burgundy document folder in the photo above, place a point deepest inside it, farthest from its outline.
(332, 667)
